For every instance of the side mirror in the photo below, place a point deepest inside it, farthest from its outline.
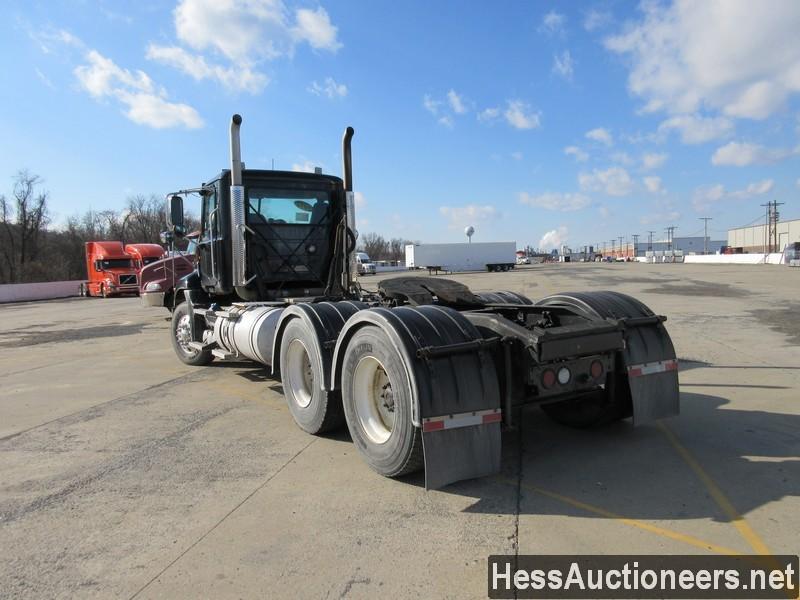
(176, 215)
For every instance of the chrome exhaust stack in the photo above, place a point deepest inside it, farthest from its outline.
(350, 203)
(238, 247)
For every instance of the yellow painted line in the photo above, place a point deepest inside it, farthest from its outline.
(660, 531)
(742, 526)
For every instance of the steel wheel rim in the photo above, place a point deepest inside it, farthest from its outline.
(300, 374)
(183, 334)
(373, 399)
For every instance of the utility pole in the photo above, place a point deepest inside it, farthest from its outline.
(650, 239)
(620, 246)
(635, 242)
(705, 235)
(670, 230)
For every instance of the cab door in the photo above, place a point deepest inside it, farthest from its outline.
(210, 240)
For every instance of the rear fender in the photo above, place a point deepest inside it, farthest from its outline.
(453, 383)
(648, 358)
(326, 320)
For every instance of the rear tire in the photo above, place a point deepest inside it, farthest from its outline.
(314, 409)
(377, 404)
(181, 334)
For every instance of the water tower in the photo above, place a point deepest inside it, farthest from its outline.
(468, 231)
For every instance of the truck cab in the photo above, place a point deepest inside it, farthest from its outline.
(364, 264)
(144, 254)
(110, 270)
(157, 280)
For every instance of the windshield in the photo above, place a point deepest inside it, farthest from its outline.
(290, 207)
(149, 259)
(115, 263)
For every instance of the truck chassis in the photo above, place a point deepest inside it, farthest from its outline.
(422, 371)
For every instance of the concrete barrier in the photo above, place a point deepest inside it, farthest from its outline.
(24, 292)
(735, 259)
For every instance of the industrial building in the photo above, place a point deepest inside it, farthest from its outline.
(756, 238)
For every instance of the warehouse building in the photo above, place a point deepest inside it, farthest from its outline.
(755, 238)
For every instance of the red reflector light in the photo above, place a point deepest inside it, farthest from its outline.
(597, 369)
(548, 379)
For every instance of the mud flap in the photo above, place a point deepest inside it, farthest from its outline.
(652, 372)
(461, 453)
(453, 382)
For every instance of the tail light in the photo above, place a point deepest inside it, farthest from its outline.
(596, 369)
(548, 378)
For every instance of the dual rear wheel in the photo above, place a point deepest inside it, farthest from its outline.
(374, 400)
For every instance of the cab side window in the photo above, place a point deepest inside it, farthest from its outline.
(210, 217)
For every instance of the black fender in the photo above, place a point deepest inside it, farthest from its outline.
(326, 319)
(453, 383)
(648, 358)
(189, 289)
(503, 297)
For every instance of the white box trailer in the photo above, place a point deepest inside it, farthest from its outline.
(477, 256)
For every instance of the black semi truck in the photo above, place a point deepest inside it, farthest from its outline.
(423, 372)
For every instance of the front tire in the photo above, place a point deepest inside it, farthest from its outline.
(181, 336)
(377, 404)
(314, 409)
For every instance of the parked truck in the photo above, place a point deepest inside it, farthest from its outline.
(110, 270)
(364, 264)
(144, 254)
(424, 371)
(157, 280)
(478, 256)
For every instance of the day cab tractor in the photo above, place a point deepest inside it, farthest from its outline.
(422, 371)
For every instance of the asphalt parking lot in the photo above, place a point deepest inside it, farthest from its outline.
(124, 473)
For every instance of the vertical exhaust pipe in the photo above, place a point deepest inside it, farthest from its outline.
(238, 248)
(350, 204)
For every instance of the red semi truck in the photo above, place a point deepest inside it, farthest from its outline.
(113, 269)
(157, 280)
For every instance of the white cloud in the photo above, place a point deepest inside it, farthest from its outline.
(44, 79)
(145, 102)
(718, 54)
(307, 166)
(669, 216)
(517, 155)
(596, 19)
(329, 88)
(695, 129)
(705, 196)
(553, 239)
(519, 115)
(315, 27)
(556, 201)
(580, 155)
(553, 22)
(653, 161)
(446, 121)
(196, 66)
(614, 181)
(622, 158)
(456, 102)
(563, 65)
(360, 200)
(489, 114)
(431, 105)
(604, 211)
(471, 214)
(742, 154)
(653, 185)
(244, 32)
(601, 135)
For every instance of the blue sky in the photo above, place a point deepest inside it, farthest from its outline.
(544, 123)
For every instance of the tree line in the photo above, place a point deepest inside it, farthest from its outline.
(32, 250)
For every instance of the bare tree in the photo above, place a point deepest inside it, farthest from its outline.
(24, 221)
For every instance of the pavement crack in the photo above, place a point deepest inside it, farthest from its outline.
(95, 410)
(125, 461)
(222, 520)
(519, 495)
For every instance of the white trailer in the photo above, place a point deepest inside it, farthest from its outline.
(478, 256)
